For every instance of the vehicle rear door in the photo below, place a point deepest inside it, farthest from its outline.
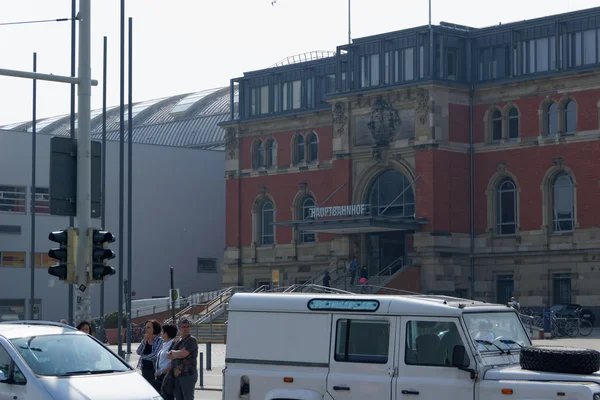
(361, 363)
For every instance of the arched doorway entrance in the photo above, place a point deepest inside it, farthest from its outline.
(390, 194)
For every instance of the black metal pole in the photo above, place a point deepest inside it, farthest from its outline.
(73, 43)
(33, 170)
(129, 186)
(103, 176)
(121, 182)
(171, 295)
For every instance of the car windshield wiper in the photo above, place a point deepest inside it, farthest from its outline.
(488, 343)
(510, 341)
(90, 372)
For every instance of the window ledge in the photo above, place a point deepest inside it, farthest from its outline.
(562, 233)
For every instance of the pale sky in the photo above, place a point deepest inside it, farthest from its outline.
(182, 46)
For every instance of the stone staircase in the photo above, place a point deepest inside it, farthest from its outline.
(214, 331)
(376, 282)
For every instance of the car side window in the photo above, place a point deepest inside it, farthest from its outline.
(362, 341)
(431, 343)
(4, 361)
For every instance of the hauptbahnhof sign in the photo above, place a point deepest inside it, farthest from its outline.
(340, 211)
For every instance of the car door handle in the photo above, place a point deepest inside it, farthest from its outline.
(410, 392)
(341, 388)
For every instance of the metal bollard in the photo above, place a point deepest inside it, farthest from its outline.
(208, 356)
(201, 370)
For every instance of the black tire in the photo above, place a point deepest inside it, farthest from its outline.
(569, 360)
(585, 327)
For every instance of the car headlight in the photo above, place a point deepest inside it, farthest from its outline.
(597, 396)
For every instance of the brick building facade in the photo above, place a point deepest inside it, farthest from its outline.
(475, 151)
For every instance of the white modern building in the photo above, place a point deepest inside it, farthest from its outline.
(178, 196)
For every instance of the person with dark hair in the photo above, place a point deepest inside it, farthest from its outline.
(149, 348)
(163, 365)
(184, 354)
(85, 326)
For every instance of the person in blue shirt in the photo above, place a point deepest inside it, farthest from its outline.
(353, 269)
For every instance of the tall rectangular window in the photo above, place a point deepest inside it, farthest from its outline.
(451, 64)
(561, 288)
(505, 285)
(264, 99)
(310, 96)
(276, 97)
(589, 46)
(421, 61)
(409, 64)
(369, 70)
(253, 101)
(285, 96)
(542, 55)
(387, 70)
(296, 94)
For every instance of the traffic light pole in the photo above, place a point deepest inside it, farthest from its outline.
(83, 303)
(84, 83)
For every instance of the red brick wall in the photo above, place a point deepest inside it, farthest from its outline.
(587, 114)
(284, 145)
(409, 280)
(529, 165)
(458, 123)
(283, 188)
(442, 192)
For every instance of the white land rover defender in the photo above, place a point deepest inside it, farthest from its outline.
(372, 347)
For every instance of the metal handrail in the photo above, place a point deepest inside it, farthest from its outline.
(261, 289)
(333, 266)
(211, 314)
(301, 288)
(389, 267)
(224, 293)
(394, 290)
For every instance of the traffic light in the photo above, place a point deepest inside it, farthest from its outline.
(66, 255)
(100, 254)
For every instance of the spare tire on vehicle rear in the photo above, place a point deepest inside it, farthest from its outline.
(569, 360)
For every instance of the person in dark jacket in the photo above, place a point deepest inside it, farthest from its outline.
(327, 279)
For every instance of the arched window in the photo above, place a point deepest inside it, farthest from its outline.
(570, 117)
(307, 204)
(513, 123)
(271, 153)
(392, 189)
(267, 217)
(300, 149)
(563, 203)
(506, 207)
(313, 149)
(259, 156)
(552, 119)
(496, 125)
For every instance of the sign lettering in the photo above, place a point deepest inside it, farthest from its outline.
(339, 211)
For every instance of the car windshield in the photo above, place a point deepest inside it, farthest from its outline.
(496, 331)
(67, 355)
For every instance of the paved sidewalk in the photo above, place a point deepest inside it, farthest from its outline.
(213, 379)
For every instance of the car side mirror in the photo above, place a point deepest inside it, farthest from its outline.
(460, 360)
(459, 357)
(3, 378)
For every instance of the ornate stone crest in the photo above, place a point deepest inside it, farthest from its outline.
(384, 122)
(263, 190)
(501, 167)
(231, 142)
(558, 162)
(339, 118)
(303, 186)
(380, 156)
(423, 106)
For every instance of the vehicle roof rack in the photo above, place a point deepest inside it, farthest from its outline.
(39, 323)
